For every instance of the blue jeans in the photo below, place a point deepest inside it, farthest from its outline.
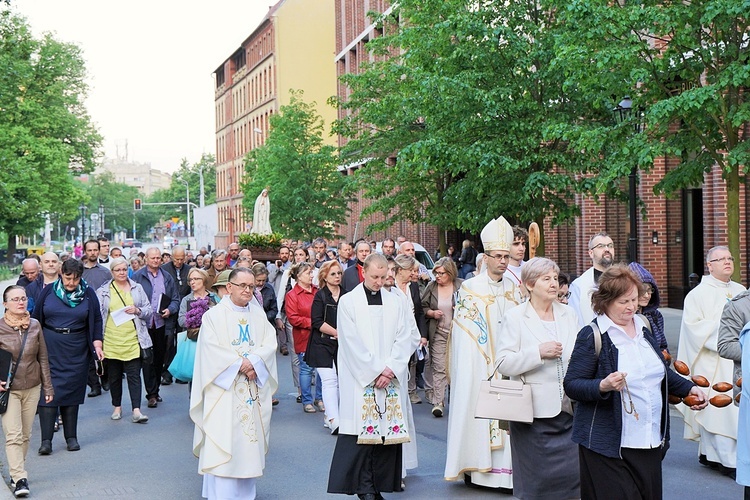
(305, 381)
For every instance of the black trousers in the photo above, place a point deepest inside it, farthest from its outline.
(133, 370)
(170, 344)
(637, 476)
(152, 371)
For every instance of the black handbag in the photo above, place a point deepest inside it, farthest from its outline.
(5, 395)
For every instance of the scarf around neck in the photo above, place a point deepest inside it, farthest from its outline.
(70, 299)
(17, 321)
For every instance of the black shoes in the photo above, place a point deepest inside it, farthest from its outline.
(105, 386)
(166, 380)
(73, 444)
(152, 403)
(178, 381)
(22, 488)
(46, 447)
(96, 391)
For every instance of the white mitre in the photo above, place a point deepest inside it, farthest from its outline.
(497, 235)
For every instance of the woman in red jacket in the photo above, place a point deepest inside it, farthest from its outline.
(298, 305)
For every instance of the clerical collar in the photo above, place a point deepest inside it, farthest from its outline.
(493, 282)
(597, 274)
(235, 307)
(373, 298)
(103, 261)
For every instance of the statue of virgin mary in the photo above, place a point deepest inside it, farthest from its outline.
(262, 214)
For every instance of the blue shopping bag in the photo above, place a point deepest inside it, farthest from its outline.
(183, 362)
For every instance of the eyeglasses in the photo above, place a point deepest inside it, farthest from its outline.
(609, 246)
(243, 286)
(18, 299)
(499, 257)
(438, 274)
(561, 296)
(195, 279)
(723, 259)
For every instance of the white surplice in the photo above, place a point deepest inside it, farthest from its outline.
(409, 449)
(232, 414)
(477, 446)
(371, 338)
(715, 428)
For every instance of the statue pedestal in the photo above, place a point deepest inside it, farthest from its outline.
(264, 254)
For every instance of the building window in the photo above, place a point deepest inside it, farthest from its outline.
(239, 59)
(219, 78)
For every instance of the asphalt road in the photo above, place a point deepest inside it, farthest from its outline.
(119, 459)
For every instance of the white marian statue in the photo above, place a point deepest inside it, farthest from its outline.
(261, 214)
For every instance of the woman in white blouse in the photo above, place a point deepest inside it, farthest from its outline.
(536, 340)
(621, 383)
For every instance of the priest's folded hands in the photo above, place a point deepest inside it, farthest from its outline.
(384, 378)
(248, 369)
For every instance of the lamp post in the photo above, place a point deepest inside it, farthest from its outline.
(82, 208)
(623, 113)
(187, 206)
(200, 176)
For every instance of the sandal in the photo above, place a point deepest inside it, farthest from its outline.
(310, 408)
(320, 406)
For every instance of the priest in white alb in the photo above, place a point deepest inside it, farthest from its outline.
(230, 402)
(376, 340)
(479, 450)
(715, 428)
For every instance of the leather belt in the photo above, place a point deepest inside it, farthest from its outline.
(67, 331)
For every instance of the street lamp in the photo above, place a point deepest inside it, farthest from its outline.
(82, 208)
(187, 207)
(623, 113)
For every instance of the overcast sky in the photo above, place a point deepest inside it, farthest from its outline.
(150, 65)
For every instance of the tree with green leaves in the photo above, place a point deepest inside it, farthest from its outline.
(187, 175)
(450, 119)
(686, 66)
(305, 187)
(46, 135)
(117, 200)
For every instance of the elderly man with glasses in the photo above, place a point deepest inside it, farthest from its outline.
(602, 253)
(233, 382)
(714, 428)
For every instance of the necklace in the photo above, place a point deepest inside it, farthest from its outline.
(631, 410)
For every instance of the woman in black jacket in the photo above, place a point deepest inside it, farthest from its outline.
(322, 347)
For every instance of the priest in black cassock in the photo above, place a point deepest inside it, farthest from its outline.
(375, 343)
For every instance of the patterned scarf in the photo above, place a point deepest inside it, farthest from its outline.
(70, 299)
(393, 417)
(17, 321)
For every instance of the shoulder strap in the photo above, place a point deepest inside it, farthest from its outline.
(645, 322)
(597, 337)
(18, 360)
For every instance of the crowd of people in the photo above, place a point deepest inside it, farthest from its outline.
(369, 331)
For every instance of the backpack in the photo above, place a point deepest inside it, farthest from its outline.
(598, 333)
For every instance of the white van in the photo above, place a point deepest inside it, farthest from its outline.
(422, 255)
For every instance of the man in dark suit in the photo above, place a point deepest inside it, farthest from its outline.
(178, 270)
(354, 275)
(266, 290)
(155, 283)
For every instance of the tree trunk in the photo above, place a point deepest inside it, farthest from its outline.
(11, 248)
(442, 246)
(733, 220)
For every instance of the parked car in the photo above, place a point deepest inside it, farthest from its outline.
(131, 242)
(169, 242)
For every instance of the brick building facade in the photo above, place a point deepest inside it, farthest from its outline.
(290, 49)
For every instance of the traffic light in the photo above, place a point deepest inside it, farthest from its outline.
(137, 204)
